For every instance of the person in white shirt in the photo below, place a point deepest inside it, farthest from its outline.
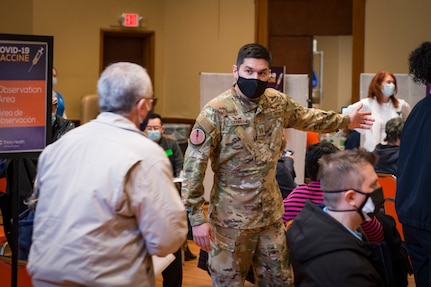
(383, 105)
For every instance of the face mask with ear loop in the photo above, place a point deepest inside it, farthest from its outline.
(144, 122)
(370, 206)
(388, 90)
(252, 88)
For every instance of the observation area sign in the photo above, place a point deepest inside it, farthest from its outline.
(25, 93)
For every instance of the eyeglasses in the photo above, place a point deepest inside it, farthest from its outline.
(153, 100)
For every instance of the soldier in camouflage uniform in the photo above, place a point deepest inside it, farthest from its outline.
(241, 132)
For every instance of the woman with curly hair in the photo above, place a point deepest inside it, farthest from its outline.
(383, 104)
(414, 171)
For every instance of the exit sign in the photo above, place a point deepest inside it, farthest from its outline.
(130, 20)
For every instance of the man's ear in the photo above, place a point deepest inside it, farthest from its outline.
(142, 108)
(235, 71)
(141, 105)
(349, 196)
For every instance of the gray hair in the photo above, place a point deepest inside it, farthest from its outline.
(121, 86)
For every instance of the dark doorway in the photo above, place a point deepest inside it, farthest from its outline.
(121, 45)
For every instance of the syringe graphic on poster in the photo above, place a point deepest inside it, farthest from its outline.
(36, 58)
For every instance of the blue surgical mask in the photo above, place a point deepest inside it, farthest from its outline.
(53, 118)
(154, 135)
(388, 89)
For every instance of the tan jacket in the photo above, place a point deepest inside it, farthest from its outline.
(107, 203)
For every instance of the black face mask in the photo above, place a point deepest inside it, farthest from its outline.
(377, 199)
(144, 123)
(252, 88)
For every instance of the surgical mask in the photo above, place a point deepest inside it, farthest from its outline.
(370, 206)
(154, 135)
(388, 89)
(252, 88)
(54, 81)
(53, 118)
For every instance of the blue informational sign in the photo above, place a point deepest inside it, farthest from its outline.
(25, 93)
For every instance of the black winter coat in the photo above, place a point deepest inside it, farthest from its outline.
(325, 253)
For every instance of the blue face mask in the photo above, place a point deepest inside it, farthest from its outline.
(53, 118)
(388, 90)
(154, 135)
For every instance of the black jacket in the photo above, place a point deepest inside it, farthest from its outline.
(60, 127)
(325, 253)
(285, 175)
(388, 158)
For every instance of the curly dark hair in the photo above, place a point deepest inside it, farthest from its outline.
(420, 63)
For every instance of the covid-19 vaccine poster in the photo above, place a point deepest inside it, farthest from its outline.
(25, 93)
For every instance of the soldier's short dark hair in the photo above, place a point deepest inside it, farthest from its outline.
(255, 51)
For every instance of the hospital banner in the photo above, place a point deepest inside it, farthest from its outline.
(25, 93)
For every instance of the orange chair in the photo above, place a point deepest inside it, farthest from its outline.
(388, 182)
(3, 184)
(23, 280)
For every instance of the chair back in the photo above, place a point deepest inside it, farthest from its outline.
(89, 108)
(3, 184)
(388, 182)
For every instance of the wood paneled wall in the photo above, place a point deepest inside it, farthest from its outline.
(287, 28)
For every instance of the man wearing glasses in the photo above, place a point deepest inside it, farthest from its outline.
(106, 200)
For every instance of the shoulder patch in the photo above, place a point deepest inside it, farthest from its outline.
(197, 136)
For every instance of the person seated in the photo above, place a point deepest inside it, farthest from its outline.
(388, 153)
(60, 125)
(325, 245)
(173, 274)
(295, 202)
(61, 108)
(353, 139)
(285, 174)
(155, 131)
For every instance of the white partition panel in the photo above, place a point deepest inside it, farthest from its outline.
(296, 86)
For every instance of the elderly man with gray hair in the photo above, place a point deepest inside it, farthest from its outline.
(106, 199)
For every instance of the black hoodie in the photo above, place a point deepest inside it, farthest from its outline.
(388, 158)
(325, 253)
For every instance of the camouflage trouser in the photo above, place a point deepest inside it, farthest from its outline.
(263, 248)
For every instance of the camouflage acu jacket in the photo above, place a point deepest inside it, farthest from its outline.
(243, 140)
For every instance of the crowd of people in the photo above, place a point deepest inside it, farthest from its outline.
(99, 221)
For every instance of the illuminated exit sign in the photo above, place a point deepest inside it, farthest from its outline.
(130, 20)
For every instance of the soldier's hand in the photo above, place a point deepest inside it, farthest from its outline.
(362, 120)
(203, 235)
